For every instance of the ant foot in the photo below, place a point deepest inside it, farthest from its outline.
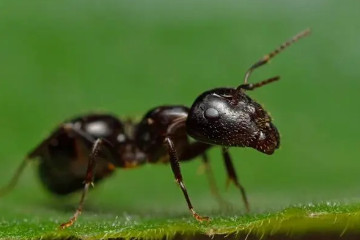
(198, 217)
(68, 223)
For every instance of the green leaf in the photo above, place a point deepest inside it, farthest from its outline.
(60, 59)
(331, 220)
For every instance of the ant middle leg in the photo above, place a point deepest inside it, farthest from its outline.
(232, 176)
(98, 147)
(175, 166)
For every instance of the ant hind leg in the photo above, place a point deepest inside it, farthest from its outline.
(38, 151)
(15, 178)
(33, 154)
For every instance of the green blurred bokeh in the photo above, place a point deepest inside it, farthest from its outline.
(59, 59)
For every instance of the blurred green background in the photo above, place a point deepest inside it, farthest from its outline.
(59, 59)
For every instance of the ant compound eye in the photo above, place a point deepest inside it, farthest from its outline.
(212, 114)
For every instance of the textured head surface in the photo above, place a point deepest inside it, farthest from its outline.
(215, 118)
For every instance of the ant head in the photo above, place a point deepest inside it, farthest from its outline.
(228, 117)
(215, 118)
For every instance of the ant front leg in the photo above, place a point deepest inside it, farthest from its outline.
(175, 166)
(195, 149)
(98, 146)
(232, 177)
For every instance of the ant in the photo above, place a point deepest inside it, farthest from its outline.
(89, 148)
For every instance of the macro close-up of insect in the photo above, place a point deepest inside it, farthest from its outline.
(87, 149)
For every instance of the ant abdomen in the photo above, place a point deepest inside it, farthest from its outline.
(64, 155)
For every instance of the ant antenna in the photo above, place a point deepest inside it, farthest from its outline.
(265, 59)
(252, 86)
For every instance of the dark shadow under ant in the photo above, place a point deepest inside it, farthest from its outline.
(89, 148)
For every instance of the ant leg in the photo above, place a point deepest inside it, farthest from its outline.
(232, 177)
(36, 152)
(90, 173)
(196, 149)
(15, 178)
(175, 166)
(210, 177)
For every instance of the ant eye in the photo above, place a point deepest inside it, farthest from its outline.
(211, 113)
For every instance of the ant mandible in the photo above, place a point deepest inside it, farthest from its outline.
(87, 149)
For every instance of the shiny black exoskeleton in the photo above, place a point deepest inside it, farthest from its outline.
(216, 119)
(89, 148)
